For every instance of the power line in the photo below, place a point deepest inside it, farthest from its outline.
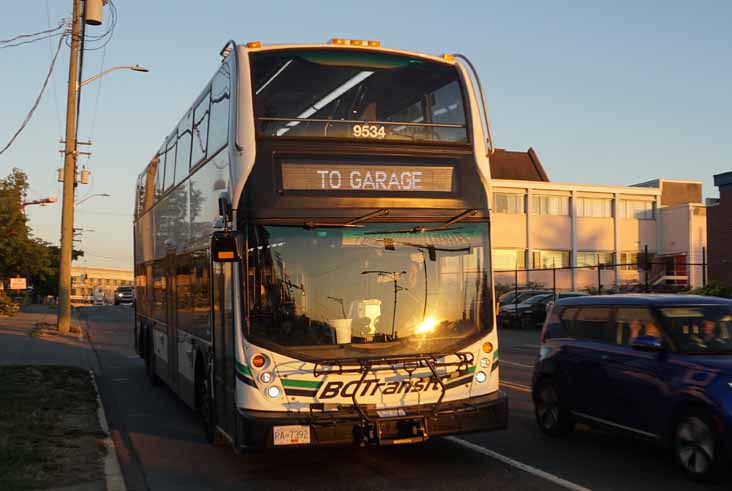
(38, 99)
(21, 43)
(21, 36)
(53, 76)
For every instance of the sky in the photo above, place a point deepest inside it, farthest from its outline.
(608, 93)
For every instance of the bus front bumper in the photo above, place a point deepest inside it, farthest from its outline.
(347, 427)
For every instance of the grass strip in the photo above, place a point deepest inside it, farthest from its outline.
(49, 430)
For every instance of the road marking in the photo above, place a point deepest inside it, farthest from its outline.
(511, 385)
(519, 465)
(506, 362)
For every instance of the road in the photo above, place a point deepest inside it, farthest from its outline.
(161, 445)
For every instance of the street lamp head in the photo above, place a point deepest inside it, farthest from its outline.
(139, 68)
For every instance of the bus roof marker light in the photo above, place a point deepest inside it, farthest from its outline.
(374, 44)
(356, 42)
(337, 41)
(448, 57)
(254, 44)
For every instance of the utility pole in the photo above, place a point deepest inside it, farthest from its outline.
(67, 213)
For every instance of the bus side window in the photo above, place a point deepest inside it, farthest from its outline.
(218, 130)
(200, 130)
(159, 310)
(183, 153)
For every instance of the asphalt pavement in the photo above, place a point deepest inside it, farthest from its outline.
(161, 444)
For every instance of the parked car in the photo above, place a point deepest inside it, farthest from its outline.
(531, 312)
(124, 295)
(518, 296)
(655, 366)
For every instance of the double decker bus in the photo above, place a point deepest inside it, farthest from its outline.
(312, 249)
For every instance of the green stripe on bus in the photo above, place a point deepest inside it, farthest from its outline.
(244, 369)
(301, 383)
(471, 369)
(495, 355)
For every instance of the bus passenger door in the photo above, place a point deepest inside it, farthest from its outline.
(223, 346)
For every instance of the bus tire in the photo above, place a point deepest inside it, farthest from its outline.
(150, 359)
(205, 403)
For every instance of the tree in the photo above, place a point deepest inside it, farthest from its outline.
(20, 253)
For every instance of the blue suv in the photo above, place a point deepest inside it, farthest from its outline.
(656, 366)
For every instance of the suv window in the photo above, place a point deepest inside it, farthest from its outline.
(633, 322)
(588, 323)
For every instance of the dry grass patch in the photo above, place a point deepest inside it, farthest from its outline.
(49, 431)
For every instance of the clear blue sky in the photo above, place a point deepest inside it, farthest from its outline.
(610, 93)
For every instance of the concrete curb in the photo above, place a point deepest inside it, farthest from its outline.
(112, 470)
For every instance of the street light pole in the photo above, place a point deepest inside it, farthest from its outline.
(91, 196)
(67, 213)
(134, 68)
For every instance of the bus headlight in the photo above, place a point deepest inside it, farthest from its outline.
(265, 377)
(484, 362)
(481, 377)
(273, 392)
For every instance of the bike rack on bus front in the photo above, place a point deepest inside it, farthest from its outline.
(365, 366)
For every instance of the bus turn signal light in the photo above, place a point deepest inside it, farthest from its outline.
(487, 347)
(258, 361)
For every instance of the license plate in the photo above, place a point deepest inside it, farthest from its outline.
(291, 435)
(390, 413)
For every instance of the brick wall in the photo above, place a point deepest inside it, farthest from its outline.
(719, 238)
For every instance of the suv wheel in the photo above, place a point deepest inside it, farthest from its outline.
(552, 418)
(696, 447)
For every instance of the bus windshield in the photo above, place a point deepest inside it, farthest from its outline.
(341, 93)
(379, 290)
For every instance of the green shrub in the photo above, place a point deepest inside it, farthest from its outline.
(7, 306)
(714, 288)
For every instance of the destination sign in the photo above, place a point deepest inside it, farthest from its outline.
(365, 177)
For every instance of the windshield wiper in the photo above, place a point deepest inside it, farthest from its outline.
(355, 223)
(420, 228)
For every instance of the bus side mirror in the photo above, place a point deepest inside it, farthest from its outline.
(224, 247)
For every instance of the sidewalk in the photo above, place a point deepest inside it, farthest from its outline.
(18, 347)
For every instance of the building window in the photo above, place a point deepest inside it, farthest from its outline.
(636, 209)
(594, 258)
(508, 203)
(551, 259)
(509, 259)
(629, 261)
(594, 207)
(550, 205)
